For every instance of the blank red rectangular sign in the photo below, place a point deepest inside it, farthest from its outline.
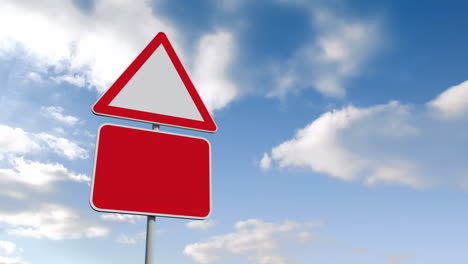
(151, 173)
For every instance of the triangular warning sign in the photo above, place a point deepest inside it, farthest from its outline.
(155, 88)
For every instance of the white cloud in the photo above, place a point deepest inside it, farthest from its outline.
(255, 239)
(393, 144)
(265, 162)
(83, 49)
(59, 130)
(39, 175)
(5, 260)
(214, 55)
(317, 146)
(63, 147)
(76, 80)
(56, 112)
(201, 224)
(402, 174)
(13, 194)
(79, 177)
(7, 247)
(91, 50)
(324, 146)
(15, 141)
(35, 77)
(51, 221)
(130, 239)
(126, 218)
(453, 102)
(338, 52)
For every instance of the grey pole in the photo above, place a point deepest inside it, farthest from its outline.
(150, 226)
(150, 239)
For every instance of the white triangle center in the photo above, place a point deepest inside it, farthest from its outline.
(157, 88)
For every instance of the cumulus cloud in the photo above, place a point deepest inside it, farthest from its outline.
(317, 146)
(394, 143)
(201, 224)
(255, 239)
(56, 112)
(38, 175)
(51, 221)
(124, 218)
(453, 102)
(214, 55)
(339, 51)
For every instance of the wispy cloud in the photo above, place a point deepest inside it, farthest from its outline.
(255, 239)
(16, 141)
(63, 146)
(130, 239)
(76, 80)
(338, 52)
(38, 175)
(378, 145)
(50, 221)
(16, 145)
(265, 162)
(124, 218)
(56, 113)
(34, 76)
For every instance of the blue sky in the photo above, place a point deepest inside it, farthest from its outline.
(342, 130)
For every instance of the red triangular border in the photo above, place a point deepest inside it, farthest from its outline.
(102, 107)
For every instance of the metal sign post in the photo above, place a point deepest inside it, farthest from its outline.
(149, 253)
(150, 226)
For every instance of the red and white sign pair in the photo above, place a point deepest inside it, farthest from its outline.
(147, 172)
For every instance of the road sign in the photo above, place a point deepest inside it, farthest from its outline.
(145, 172)
(155, 88)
